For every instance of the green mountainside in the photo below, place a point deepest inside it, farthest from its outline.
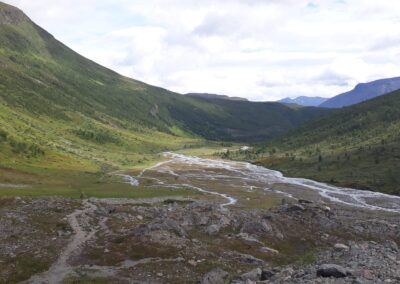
(61, 111)
(357, 146)
(242, 120)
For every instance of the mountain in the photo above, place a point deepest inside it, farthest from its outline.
(304, 101)
(59, 109)
(214, 96)
(242, 120)
(357, 146)
(363, 92)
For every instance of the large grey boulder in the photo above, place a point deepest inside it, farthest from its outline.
(215, 276)
(212, 229)
(332, 270)
(254, 275)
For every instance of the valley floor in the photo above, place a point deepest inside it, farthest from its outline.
(237, 223)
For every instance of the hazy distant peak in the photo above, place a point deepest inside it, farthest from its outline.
(363, 92)
(304, 101)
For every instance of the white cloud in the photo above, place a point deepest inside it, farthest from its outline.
(259, 49)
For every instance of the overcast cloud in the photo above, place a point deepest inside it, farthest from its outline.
(261, 50)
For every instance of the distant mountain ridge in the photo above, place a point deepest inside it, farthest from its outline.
(215, 96)
(304, 101)
(363, 92)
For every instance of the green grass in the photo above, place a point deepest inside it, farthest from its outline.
(26, 265)
(62, 116)
(75, 184)
(99, 191)
(307, 258)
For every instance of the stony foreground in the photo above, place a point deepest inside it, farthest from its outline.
(57, 240)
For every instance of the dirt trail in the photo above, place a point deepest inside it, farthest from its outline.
(61, 268)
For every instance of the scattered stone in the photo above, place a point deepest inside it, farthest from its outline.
(267, 216)
(266, 274)
(212, 229)
(254, 275)
(331, 270)
(215, 276)
(341, 247)
(249, 259)
(358, 281)
(269, 250)
(170, 233)
(368, 274)
(304, 201)
(254, 227)
(394, 246)
(246, 237)
(326, 209)
(295, 208)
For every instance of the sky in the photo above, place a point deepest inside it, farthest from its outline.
(263, 50)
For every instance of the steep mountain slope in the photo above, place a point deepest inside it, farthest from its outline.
(363, 92)
(355, 146)
(304, 101)
(61, 110)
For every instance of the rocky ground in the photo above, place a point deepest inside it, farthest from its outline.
(56, 240)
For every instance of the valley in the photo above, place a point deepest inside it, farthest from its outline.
(240, 218)
(107, 179)
(64, 117)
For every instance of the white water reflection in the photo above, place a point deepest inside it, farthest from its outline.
(182, 171)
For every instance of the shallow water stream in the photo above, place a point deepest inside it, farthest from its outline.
(230, 180)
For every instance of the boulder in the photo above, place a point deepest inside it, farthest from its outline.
(266, 274)
(295, 208)
(304, 201)
(332, 270)
(269, 250)
(254, 275)
(358, 281)
(368, 274)
(215, 276)
(249, 259)
(341, 247)
(212, 229)
(393, 246)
